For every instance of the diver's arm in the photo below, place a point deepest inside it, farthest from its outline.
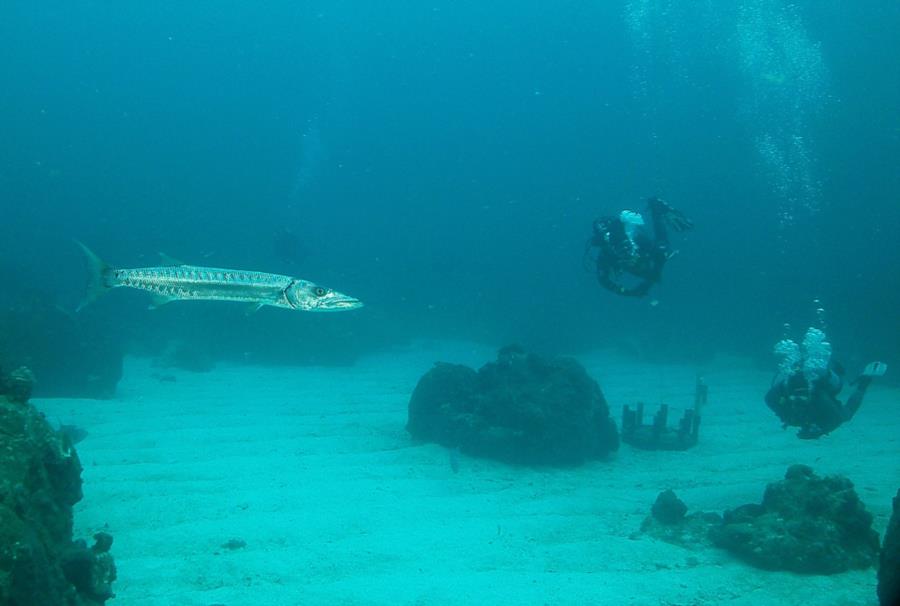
(872, 370)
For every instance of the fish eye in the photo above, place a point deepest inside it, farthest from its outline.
(319, 291)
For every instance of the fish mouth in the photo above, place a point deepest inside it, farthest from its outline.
(340, 303)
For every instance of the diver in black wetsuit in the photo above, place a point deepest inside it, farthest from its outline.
(804, 393)
(625, 245)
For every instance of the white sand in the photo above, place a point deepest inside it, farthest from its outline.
(313, 468)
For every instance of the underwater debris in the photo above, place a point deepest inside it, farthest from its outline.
(658, 435)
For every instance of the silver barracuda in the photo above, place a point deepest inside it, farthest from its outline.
(180, 282)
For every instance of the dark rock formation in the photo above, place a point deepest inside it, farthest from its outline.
(668, 521)
(521, 408)
(40, 481)
(668, 508)
(804, 524)
(186, 355)
(889, 564)
(91, 570)
(69, 354)
(17, 385)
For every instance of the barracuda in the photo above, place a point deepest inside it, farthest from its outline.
(179, 282)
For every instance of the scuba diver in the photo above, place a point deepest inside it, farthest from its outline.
(804, 392)
(625, 245)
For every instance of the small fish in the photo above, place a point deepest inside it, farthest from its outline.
(180, 282)
(73, 433)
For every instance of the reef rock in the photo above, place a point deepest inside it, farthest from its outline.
(669, 521)
(889, 565)
(40, 481)
(804, 524)
(522, 409)
(17, 385)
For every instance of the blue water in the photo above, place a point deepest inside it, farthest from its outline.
(443, 161)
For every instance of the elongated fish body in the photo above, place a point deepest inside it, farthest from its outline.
(195, 283)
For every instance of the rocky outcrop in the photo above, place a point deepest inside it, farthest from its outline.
(669, 521)
(40, 481)
(889, 564)
(804, 524)
(522, 409)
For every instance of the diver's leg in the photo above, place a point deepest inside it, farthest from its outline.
(658, 212)
(855, 399)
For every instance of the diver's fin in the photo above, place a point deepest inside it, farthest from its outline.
(99, 274)
(167, 260)
(158, 301)
(875, 369)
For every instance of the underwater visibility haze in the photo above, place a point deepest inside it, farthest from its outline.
(576, 209)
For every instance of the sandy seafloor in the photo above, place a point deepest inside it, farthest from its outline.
(313, 469)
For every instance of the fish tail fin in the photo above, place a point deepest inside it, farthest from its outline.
(99, 276)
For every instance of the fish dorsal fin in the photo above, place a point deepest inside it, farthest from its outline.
(167, 260)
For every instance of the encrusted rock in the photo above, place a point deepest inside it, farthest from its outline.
(668, 521)
(668, 508)
(40, 481)
(889, 564)
(804, 524)
(19, 384)
(522, 408)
